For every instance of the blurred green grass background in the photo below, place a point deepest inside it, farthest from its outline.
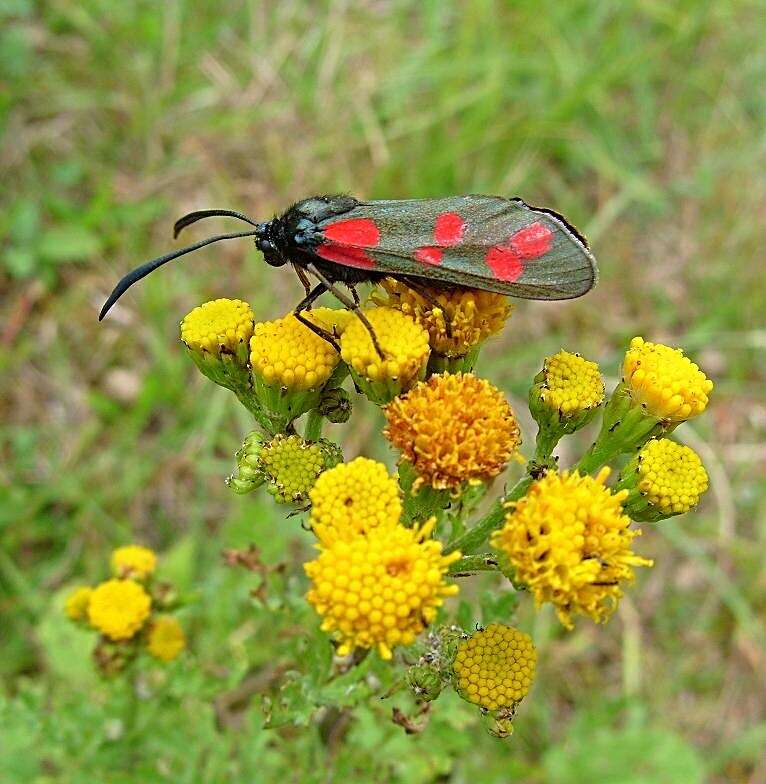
(641, 121)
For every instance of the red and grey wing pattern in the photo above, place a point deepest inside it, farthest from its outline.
(482, 242)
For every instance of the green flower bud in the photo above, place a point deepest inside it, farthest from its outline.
(335, 405)
(249, 474)
(425, 681)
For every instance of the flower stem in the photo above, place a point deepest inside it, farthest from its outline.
(314, 424)
(480, 533)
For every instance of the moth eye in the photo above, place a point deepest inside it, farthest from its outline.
(264, 246)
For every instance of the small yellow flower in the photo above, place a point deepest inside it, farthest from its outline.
(453, 428)
(166, 638)
(380, 589)
(472, 315)
(76, 604)
(665, 382)
(663, 480)
(571, 384)
(495, 667)
(133, 561)
(217, 327)
(293, 466)
(403, 343)
(569, 541)
(286, 353)
(118, 608)
(353, 498)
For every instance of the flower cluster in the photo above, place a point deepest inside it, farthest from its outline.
(375, 582)
(392, 547)
(127, 612)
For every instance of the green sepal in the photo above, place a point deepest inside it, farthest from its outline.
(286, 404)
(440, 363)
(553, 424)
(384, 391)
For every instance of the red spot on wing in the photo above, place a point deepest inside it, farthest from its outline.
(354, 231)
(429, 255)
(504, 262)
(349, 257)
(448, 229)
(532, 241)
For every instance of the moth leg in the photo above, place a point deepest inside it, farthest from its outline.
(305, 304)
(303, 278)
(349, 303)
(423, 292)
(354, 293)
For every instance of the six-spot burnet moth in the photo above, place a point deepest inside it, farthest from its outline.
(480, 242)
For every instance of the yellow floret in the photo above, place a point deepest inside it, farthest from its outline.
(453, 428)
(403, 342)
(671, 476)
(665, 382)
(570, 542)
(286, 353)
(571, 384)
(216, 327)
(118, 608)
(133, 561)
(495, 667)
(76, 604)
(354, 498)
(457, 319)
(380, 589)
(166, 638)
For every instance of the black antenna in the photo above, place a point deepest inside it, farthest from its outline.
(150, 266)
(193, 217)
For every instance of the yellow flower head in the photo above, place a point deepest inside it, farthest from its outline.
(293, 466)
(569, 541)
(571, 384)
(403, 342)
(671, 476)
(166, 638)
(334, 320)
(353, 498)
(380, 589)
(495, 667)
(453, 428)
(457, 319)
(668, 477)
(218, 327)
(118, 608)
(133, 561)
(286, 353)
(76, 604)
(665, 382)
